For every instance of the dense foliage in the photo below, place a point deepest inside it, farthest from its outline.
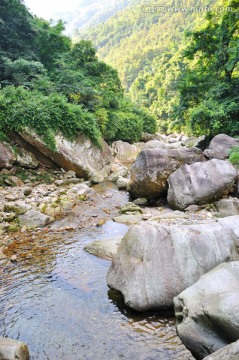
(209, 83)
(147, 45)
(51, 85)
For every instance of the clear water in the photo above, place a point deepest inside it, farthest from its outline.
(55, 298)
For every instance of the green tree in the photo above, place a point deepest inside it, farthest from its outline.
(209, 84)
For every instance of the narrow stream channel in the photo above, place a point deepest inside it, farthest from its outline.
(55, 298)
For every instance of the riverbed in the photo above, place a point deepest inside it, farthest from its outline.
(55, 297)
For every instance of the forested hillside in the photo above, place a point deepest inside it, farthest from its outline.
(50, 84)
(146, 44)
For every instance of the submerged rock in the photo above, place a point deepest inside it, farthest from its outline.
(154, 263)
(206, 313)
(104, 249)
(200, 183)
(13, 350)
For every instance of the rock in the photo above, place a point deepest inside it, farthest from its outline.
(7, 157)
(18, 207)
(206, 312)
(227, 207)
(229, 352)
(104, 249)
(200, 142)
(154, 263)
(145, 137)
(141, 201)
(14, 181)
(81, 155)
(124, 152)
(82, 190)
(122, 183)
(152, 168)
(121, 171)
(33, 218)
(128, 219)
(70, 174)
(220, 147)
(155, 144)
(200, 183)
(27, 191)
(26, 159)
(231, 222)
(130, 208)
(13, 350)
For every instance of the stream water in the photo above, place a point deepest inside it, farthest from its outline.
(55, 298)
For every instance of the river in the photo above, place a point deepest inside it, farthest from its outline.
(55, 297)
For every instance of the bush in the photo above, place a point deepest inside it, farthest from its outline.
(234, 155)
(20, 108)
(124, 126)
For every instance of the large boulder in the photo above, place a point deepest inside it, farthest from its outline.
(124, 152)
(154, 263)
(7, 157)
(153, 166)
(13, 350)
(201, 183)
(220, 147)
(229, 352)
(81, 155)
(207, 312)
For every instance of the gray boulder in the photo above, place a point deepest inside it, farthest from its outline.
(124, 152)
(229, 352)
(154, 263)
(7, 157)
(13, 350)
(206, 313)
(153, 166)
(220, 147)
(81, 155)
(200, 183)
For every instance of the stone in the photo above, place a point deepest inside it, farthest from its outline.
(124, 152)
(27, 191)
(220, 147)
(153, 166)
(82, 190)
(104, 249)
(7, 157)
(231, 222)
(81, 156)
(227, 207)
(200, 142)
(206, 313)
(229, 352)
(128, 219)
(14, 181)
(200, 183)
(121, 171)
(33, 218)
(130, 208)
(154, 263)
(26, 159)
(141, 201)
(13, 350)
(18, 207)
(122, 183)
